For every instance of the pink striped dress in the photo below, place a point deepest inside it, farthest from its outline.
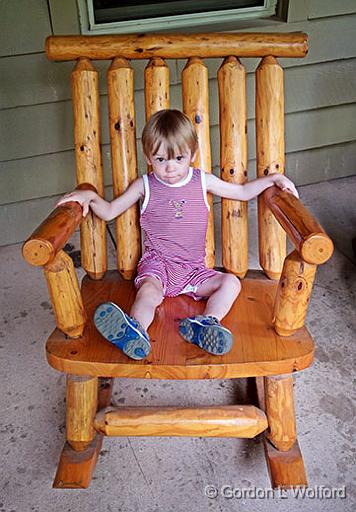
(174, 220)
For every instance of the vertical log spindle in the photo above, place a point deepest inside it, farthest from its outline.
(233, 161)
(85, 92)
(124, 161)
(293, 294)
(156, 86)
(270, 159)
(279, 399)
(196, 107)
(81, 403)
(65, 295)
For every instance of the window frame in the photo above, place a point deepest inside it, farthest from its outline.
(90, 27)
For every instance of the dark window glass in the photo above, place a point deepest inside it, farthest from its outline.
(107, 11)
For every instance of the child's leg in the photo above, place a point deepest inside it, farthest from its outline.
(222, 291)
(129, 332)
(205, 330)
(148, 297)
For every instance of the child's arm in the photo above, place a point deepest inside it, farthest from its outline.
(250, 189)
(104, 209)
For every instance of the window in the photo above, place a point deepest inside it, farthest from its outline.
(129, 16)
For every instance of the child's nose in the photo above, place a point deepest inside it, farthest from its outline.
(170, 165)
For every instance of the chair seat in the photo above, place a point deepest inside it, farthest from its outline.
(257, 349)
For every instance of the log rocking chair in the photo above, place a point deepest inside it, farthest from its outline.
(267, 319)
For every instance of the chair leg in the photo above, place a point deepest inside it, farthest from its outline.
(78, 458)
(280, 412)
(82, 401)
(284, 458)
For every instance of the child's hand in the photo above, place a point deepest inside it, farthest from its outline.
(284, 183)
(83, 197)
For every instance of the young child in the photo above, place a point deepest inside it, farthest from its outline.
(174, 217)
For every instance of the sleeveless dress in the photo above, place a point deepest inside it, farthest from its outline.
(174, 219)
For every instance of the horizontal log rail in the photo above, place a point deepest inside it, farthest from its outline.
(177, 46)
(220, 421)
(54, 232)
(310, 240)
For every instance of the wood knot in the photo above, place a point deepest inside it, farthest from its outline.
(82, 148)
(232, 172)
(265, 172)
(117, 126)
(198, 119)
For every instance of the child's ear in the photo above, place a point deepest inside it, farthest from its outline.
(148, 160)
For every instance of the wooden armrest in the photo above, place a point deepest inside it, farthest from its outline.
(54, 232)
(310, 240)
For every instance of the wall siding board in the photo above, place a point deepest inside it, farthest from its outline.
(24, 25)
(64, 16)
(324, 8)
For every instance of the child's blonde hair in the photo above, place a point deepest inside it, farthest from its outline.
(171, 127)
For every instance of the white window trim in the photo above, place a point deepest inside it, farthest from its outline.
(88, 25)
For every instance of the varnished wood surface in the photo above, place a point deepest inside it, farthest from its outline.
(64, 292)
(279, 400)
(270, 158)
(309, 238)
(245, 421)
(75, 469)
(81, 407)
(122, 120)
(52, 234)
(257, 349)
(86, 113)
(195, 96)
(233, 162)
(286, 469)
(293, 294)
(156, 86)
(175, 46)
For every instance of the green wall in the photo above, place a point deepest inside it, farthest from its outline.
(36, 133)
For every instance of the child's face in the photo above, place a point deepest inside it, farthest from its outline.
(174, 170)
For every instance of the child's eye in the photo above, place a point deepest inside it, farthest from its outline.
(179, 158)
(160, 159)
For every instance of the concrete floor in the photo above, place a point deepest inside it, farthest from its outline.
(155, 474)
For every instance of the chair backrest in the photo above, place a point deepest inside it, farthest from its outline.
(233, 129)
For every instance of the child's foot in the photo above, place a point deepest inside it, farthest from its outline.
(207, 333)
(122, 330)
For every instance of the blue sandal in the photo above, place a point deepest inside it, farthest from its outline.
(207, 333)
(122, 330)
